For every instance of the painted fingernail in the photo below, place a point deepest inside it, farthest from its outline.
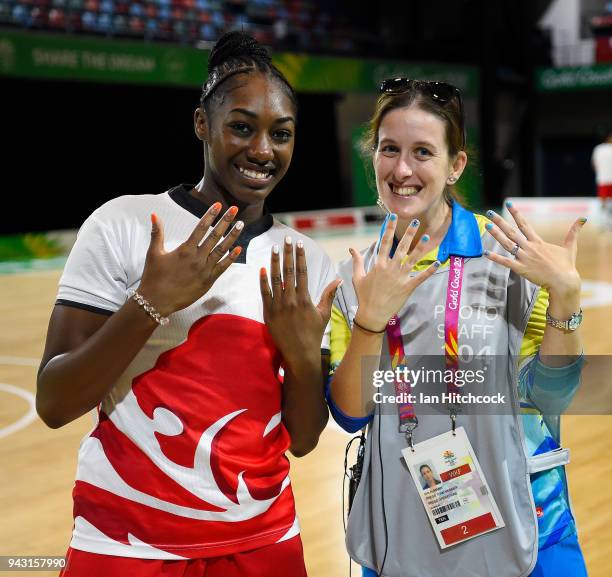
(288, 240)
(415, 222)
(215, 208)
(436, 264)
(153, 218)
(237, 251)
(262, 271)
(300, 244)
(488, 226)
(425, 238)
(508, 204)
(233, 210)
(393, 216)
(486, 252)
(490, 213)
(275, 249)
(239, 225)
(583, 219)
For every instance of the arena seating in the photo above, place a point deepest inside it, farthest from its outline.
(295, 25)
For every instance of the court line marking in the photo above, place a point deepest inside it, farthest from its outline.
(332, 425)
(28, 418)
(599, 293)
(21, 361)
(31, 362)
(596, 294)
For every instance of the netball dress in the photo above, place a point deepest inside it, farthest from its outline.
(187, 457)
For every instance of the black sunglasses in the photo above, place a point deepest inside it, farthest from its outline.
(440, 92)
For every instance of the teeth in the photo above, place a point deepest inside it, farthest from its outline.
(406, 191)
(253, 173)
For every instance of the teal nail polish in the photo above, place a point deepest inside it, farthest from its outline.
(509, 204)
(488, 226)
(490, 213)
(393, 217)
(425, 238)
(415, 223)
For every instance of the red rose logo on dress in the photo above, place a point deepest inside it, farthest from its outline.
(194, 452)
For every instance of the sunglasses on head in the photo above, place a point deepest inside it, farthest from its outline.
(440, 92)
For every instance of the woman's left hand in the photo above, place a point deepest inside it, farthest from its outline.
(545, 264)
(295, 323)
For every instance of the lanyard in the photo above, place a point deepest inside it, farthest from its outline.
(408, 420)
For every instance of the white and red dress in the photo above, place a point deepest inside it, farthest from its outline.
(187, 458)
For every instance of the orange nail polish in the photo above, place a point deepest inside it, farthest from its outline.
(216, 207)
(262, 271)
(237, 250)
(233, 210)
(153, 218)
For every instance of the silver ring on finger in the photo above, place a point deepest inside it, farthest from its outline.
(515, 249)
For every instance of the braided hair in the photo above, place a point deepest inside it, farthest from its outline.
(238, 53)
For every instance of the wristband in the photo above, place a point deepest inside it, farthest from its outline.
(148, 308)
(368, 330)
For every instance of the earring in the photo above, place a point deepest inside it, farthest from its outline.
(381, 204)
(452, 179)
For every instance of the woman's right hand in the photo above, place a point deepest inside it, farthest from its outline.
(382, 291)
(172, 281)
(86, 352)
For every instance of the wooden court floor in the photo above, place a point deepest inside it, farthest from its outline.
(37, 465)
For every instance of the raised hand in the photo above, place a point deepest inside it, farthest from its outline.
(382, 291)
(172, 281)
(295, 323)
(545, 264)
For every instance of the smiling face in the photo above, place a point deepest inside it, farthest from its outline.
(250, 137)
(412, 163)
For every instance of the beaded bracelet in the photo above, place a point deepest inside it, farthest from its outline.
(149, 309)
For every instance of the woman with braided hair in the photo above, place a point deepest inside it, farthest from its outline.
(167, 325)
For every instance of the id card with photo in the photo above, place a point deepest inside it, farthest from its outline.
(453, 488)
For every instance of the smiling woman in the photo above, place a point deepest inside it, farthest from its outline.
(165, 323)
(246, 119)
(400, 303)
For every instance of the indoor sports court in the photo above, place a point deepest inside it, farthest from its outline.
(38, 464)
(98, 100)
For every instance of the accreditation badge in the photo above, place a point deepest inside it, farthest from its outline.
(453, 488)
